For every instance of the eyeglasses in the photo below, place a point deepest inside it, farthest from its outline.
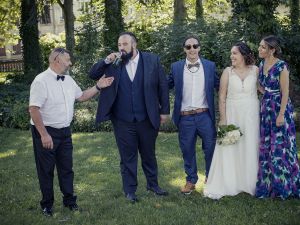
(60, 52)
(188, 47)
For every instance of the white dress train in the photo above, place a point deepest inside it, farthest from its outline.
(234, 167)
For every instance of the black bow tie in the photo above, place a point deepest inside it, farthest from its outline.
(62, 77)
(197, 65)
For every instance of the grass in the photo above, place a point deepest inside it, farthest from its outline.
(98, 186)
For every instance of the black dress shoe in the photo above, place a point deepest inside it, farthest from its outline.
(131, 197)
(47, 211)
(73, 207)
(158, 191)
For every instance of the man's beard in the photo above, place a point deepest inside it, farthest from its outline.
(127, 56)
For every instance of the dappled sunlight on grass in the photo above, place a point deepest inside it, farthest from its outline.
(7, 153)
(96, 159)
(82, 150)
(77, 136)
(98, 185)
(180, 181)
(177, 182)
(81, 187)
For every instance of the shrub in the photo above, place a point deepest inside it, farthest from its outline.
(48, 42)
(20, 116)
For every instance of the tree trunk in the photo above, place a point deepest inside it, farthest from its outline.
(69, 19)
(199, 9)
(30, 38)
(294, 14)
(114, 24)
(180, 13)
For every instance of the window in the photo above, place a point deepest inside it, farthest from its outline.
(45, 17)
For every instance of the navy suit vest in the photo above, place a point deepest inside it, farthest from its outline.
(130, 104)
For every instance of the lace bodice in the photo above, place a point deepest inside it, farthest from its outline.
(239, 89)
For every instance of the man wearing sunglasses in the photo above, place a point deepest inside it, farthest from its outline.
(51, 106)
(194, 80)
(137, 103)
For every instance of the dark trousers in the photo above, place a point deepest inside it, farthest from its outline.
(46, 159)
(131, 138)
(189, 128)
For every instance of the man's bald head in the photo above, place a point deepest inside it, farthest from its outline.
(55, 53)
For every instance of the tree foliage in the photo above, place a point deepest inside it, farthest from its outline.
(256, 16)
(295, 14)
(9, 18)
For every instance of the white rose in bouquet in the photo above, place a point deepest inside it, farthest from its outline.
(228, 134)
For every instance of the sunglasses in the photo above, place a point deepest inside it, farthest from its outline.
(188, 47)
(62, 51)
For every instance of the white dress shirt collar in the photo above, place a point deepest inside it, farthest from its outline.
(52, 72)
(131, 66)
(188, 62)
(136, 58)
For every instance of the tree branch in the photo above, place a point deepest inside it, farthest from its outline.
(60, 4)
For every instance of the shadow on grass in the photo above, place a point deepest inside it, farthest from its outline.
(98, 186)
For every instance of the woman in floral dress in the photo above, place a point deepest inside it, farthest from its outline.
(278, 174)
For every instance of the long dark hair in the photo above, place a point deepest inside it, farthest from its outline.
(246, 52)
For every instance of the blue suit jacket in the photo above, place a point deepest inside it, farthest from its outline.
(155, 88)
(175, 79)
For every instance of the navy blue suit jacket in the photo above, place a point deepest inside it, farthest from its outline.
(175, 79)
(155, 88)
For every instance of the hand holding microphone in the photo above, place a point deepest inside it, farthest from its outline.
(118, 58)
(115, 58)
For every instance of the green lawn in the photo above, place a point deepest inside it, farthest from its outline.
(98, 186)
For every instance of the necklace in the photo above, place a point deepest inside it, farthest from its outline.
(191, 68)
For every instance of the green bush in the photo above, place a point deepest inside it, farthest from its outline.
(47, 43)
(216, 40)
(20, 116)
(85, 116)
(14, 105)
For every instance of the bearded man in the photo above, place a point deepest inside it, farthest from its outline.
(137, 102)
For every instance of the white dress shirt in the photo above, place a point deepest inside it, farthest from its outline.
(193, 93)
(55, 98)
(131, 66)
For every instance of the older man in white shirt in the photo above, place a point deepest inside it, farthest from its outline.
(51, 107)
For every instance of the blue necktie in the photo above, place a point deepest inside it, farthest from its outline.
(62, 77)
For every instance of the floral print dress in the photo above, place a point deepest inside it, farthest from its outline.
(278, 174)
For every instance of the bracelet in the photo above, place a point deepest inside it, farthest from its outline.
(97, 87)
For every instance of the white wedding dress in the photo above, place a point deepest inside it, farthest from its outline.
(234, 167)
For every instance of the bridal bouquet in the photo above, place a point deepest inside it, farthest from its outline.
(228, 134)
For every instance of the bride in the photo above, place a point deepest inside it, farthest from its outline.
(234, 167)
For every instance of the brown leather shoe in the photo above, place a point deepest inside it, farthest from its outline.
(188, 188)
